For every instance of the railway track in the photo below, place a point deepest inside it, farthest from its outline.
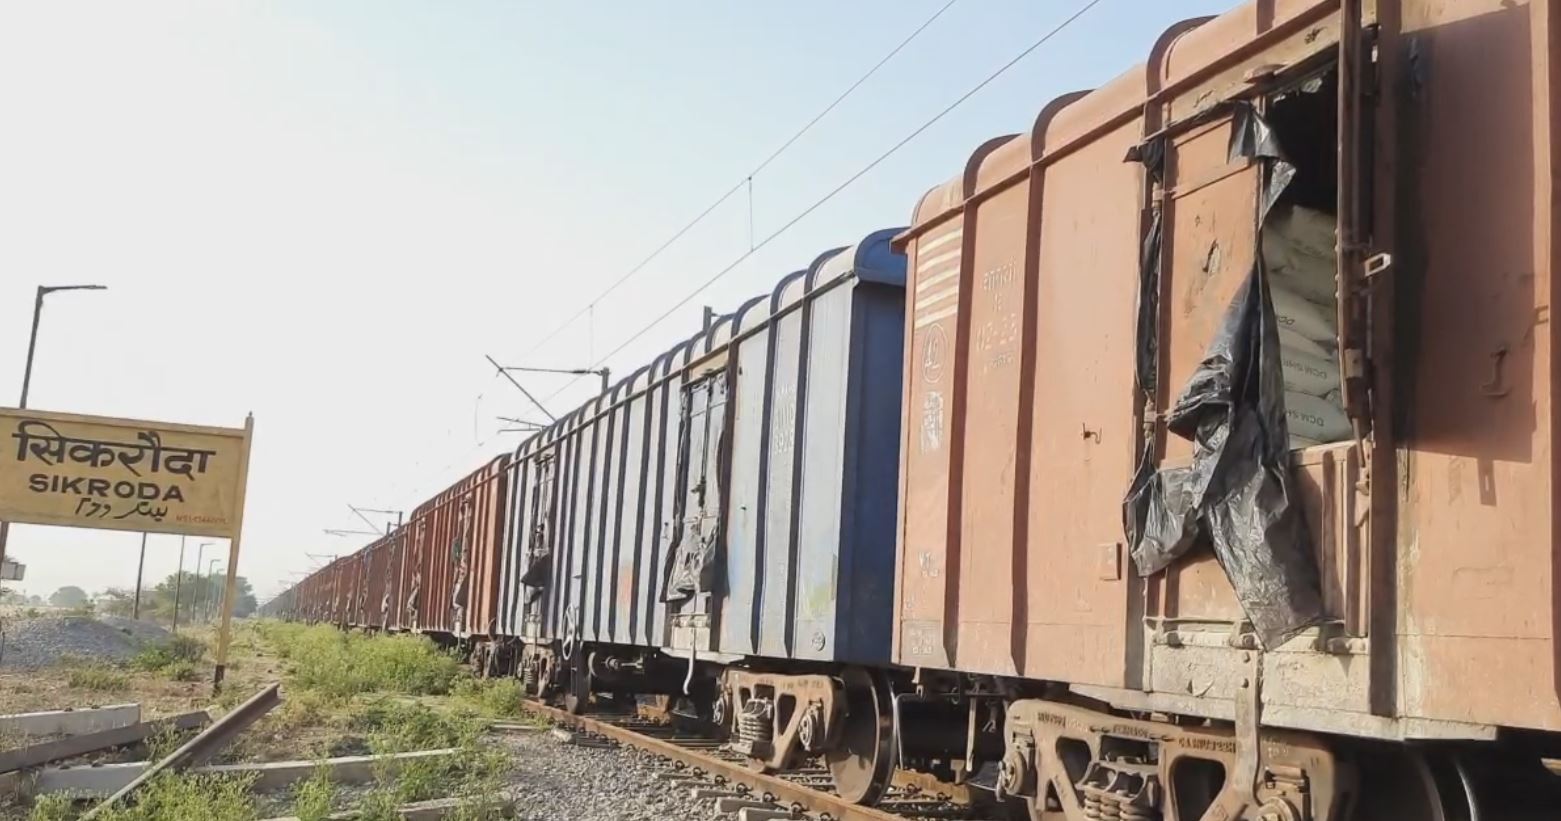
(725, 778)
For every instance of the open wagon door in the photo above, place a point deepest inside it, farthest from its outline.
(538, 543)
(694, 563)
(1217, 468)
(1251, 369)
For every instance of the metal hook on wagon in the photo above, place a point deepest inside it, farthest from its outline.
(570, 633)
(1497, 387)
(693, 656)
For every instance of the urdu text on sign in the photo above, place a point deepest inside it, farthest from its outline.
(119, 474)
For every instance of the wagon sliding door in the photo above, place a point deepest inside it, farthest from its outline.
(1210, 243)
(1206, 126)
(696, 546)
(538, 546)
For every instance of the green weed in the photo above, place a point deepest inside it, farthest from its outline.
(57, 807)
(97, 677)
(493, 697)
(169, 652)
(181, 797)
(344, 664)
(314, 799)
(182, 671)
(394, 726)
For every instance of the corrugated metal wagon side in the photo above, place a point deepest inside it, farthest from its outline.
(1276, 225)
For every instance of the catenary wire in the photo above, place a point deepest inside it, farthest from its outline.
(745, 182)
(958, 101)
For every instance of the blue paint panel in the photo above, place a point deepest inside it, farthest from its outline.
(744, 486)
(631, 516)
(666, 509)
(601, 507)
(650, 514)
(822, 455)
(831, 460)
(779, 474)
(512, 554)
(811, 438)
(579, 523)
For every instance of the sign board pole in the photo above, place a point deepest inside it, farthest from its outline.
(224, 637)
(140, 568)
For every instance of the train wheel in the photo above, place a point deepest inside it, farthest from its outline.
(579, 694)
(862, 762)
(1410, 783)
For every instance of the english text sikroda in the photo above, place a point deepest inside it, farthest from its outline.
(103, 488)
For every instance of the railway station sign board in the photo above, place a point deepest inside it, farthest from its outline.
(121, 474)
(126, 474)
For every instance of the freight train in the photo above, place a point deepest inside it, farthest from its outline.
(1188, 456)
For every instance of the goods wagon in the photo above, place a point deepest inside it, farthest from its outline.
(375, 599)
(735, 498)
(450, 578)
(1333, 220)
(1223, 457)
(344, 589)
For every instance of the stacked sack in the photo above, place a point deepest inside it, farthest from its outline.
(1299, 250)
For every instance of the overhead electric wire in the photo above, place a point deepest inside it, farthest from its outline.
(746, 181)
(1053, 32)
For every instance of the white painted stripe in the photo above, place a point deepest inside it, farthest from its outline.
(928, 282)
(929, 244)
(922, 321)
(923, 264)
(924, 301)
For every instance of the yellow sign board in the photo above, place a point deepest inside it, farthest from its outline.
(121, 474)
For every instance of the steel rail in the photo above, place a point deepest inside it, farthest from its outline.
(772, 788)
(202, 747)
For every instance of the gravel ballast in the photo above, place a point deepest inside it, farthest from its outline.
(554, 780)
(45, 640)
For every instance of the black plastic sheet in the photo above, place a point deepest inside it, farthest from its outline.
(695, 554)
(694, 564)
(540, 568)
(1236, 496)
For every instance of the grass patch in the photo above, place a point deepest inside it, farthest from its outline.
(99, 677)
(394, 726)
(170, 652)
(170, 797)
(314, 799)
(492, 697)
(182, 671)
(343, 664)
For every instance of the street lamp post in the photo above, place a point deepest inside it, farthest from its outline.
(200, 590)
(210, 574)
(27, 372)
(135, 612)
(178, 582)
(32, 341)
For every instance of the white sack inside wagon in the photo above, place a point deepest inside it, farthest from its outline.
(1308, 373)
(1303, 318)
(1299, 253)
(1318, 418)
(1298, 249)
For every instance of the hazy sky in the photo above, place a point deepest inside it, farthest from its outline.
(327, 212)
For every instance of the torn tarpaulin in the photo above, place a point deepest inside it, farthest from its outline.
(1237, 493)
(540, 567)
(694, 558)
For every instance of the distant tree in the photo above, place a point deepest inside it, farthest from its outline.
(115, 601)
(69, 596)
(199, 598)
(35, 600)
